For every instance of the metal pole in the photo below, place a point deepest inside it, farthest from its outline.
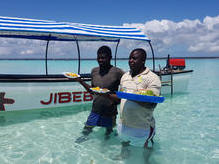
(116, 51)
(79, 55)
(171, 81)
(152, 55)
(47, 45)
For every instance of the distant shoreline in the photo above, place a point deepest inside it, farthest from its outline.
(117, 58)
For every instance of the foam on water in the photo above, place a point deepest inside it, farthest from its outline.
(187, 130)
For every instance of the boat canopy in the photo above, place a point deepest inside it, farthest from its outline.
(63, 31)
(12, 27)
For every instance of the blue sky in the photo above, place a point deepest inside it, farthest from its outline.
(188, 27)
(113, 12)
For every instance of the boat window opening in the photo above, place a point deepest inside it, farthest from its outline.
(152, 51)
(88, 54)
(115, 58)
(22, 56)
(126, 46)
(73, 54)
(62, 57)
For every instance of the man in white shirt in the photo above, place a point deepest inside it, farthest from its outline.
(136, 124)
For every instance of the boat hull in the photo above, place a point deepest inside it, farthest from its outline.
(36, 95)
(26, 92)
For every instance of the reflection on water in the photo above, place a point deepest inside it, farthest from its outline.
(15, 117)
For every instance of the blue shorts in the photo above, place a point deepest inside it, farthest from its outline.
(95, 119)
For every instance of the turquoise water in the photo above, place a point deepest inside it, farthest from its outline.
(187, 125)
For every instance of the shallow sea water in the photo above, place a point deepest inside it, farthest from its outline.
(187, 129)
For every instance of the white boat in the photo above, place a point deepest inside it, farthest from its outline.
(25, 92)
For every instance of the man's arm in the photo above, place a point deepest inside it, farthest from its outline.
(114, 98)
(84, 84)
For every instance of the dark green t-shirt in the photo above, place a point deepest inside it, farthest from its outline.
(110, 80)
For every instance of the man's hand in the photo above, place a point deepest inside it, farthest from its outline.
(77, 79)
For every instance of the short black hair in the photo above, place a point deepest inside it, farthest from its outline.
(141, 51)
(105, 50)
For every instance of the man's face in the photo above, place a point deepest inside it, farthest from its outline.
(136, 61)
(103, 60)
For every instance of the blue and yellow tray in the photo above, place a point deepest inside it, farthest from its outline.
(138, 97)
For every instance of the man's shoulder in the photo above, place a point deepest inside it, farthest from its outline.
(126, 75)
(95, 69)
(117, 70)
(148, 72)
(153, 74)
(152, 77)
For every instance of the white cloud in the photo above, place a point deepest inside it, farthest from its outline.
(192, 35)
(21, 48)
(27, 52)
(4, 51)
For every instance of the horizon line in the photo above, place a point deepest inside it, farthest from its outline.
(112, 58)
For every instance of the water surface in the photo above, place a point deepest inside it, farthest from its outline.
(187, 125)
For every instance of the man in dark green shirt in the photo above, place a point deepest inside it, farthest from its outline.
(104, 108)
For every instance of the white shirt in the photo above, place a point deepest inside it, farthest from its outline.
(132, 114)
